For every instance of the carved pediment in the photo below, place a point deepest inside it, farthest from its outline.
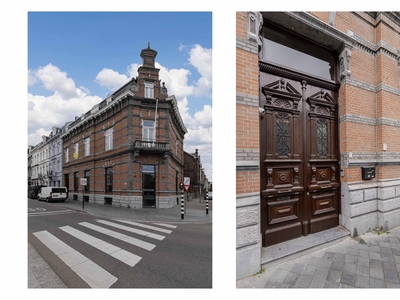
(322, 103)
(281, 94)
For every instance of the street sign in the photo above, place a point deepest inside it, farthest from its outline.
(186, 181)
(83, 181)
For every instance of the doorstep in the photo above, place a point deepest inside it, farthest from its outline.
(282, 252)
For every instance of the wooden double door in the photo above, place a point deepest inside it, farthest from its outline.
(299, 155)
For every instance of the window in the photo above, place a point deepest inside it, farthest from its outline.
(109, 138)
(148, 130)
(322, 137)
(109, 179)
(66, 155)
(76, 181)
(149, 90)
(87, 176)
(286, 49)
(76, 150)
(283, 135)
(87, 146)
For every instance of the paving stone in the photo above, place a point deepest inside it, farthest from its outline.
(317, 283)
(297, 268)
(362, 261)
(388, 266)
(337, 265)
(304, 281)
(361, 281)
(291, 278)
(375, 255)
(363, 253)
(314, 261)
(391, 276)
(325, 263)
(376, 283)
(331, 284)
(350, 268)
(350, 258)
(329, 255)
(376, 273)
(309, 270)
(362, 270)
(321, 273)
(334, 276)
(348, 279)
(279, 275)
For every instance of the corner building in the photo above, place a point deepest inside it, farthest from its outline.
(129, 147)
(318, 126)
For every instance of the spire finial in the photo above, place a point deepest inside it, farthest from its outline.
(148, 45)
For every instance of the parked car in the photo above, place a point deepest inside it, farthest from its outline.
(208, 196)
(33, 191)
(53, 193)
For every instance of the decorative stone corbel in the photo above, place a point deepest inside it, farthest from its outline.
(344, 59)
(254, 29)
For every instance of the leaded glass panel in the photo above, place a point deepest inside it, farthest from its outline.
(322, 137)
(283, 135)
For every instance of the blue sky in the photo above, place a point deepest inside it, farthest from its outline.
(75, 59)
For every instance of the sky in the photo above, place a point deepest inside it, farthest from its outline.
(76, 59)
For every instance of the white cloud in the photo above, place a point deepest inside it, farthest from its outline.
(201, 59)
(111, 79)
(57, 109)
(36, 137)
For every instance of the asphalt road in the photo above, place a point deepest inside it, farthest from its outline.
(182, 259)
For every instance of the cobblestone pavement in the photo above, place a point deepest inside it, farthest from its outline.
(371, 260)
(40, 274)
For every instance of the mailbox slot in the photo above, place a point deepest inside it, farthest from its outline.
(367, 173)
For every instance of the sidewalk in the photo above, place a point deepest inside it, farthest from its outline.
(40, 275)
(195, 212)
(371, 260)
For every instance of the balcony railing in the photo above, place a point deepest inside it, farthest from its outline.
(151, 146)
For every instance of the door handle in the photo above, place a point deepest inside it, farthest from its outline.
(325, 186)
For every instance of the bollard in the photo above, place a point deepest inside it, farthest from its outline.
(207, 204)
(182, 207)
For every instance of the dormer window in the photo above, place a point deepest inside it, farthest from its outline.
(149, 89)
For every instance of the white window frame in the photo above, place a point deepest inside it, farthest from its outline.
(149, 89)
(66, 155)
(108, 134)
(148, 131)
(76, 150)
(87, 146)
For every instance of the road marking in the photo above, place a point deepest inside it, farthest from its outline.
(48, 213)
(116, 252)
(120, 236)
(146, 226)
(166, 225)
(91, 273)
(137, 231)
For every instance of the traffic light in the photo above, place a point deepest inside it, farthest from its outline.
(181, 185)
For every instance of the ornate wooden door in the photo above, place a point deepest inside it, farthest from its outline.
(299, 155)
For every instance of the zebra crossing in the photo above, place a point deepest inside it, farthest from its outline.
(93, 274)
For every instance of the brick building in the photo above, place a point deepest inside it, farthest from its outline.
(318, 126)
(129, 147)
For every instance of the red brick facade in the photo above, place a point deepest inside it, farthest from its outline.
(128, 152)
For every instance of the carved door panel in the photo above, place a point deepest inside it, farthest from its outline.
(299, 158)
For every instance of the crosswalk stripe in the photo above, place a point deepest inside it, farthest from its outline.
(166, 225)
(146, 226)
(91, 273)
(120, 236)
(116, 252)
(134, 230)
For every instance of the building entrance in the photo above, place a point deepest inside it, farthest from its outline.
(299, 154)
(149, 186)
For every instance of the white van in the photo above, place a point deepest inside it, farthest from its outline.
(53, 193)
